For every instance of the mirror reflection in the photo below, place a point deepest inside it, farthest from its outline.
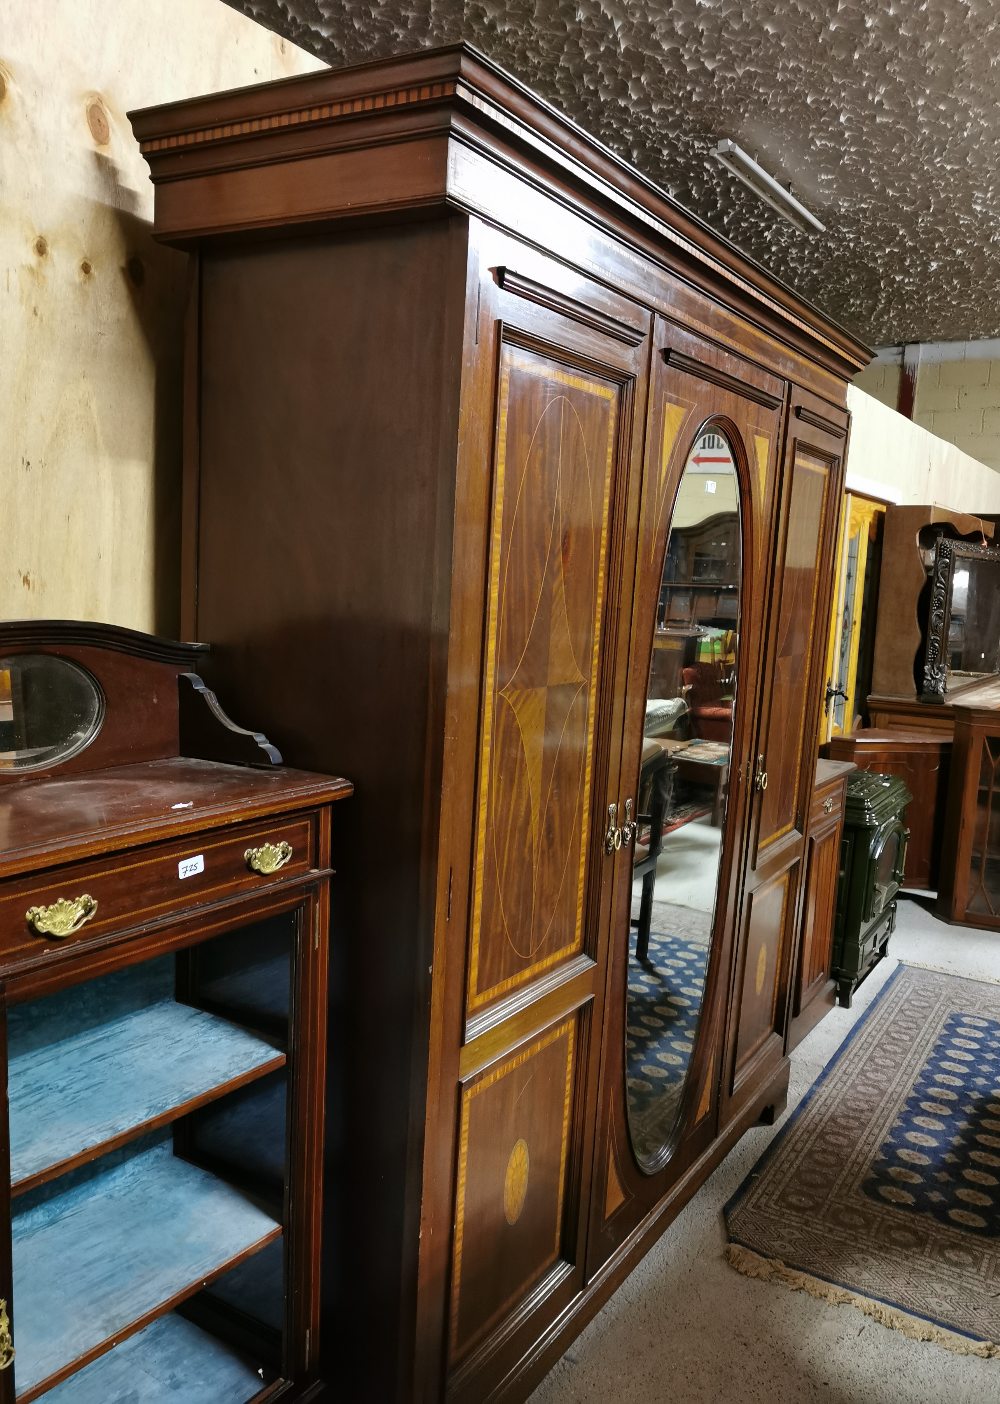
(974, 617)
(49, 710)
(683, 787)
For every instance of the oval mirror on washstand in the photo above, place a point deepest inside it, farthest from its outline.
(50, 709)
(683, 789)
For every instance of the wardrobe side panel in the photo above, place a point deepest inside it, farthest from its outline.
(329, 395)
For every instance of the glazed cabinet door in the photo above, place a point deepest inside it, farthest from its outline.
(7, 1348)
(162, 1159)
(554, 401)
(783, 761)
(712, 439)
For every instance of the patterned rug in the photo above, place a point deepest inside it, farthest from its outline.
(680, 815)
(664, 1001)
(883, 1189)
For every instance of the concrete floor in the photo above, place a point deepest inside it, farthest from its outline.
(685, 1328)
(687, 872)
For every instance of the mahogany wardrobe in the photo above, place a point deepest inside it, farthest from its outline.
(455, 374)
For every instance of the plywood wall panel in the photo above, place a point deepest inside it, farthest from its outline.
(92, 309)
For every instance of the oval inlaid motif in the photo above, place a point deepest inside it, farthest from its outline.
(761, 969)
(515, 1182)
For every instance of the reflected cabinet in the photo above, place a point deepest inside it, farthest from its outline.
(513, 490)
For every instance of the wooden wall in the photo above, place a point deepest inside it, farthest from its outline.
(91, 308)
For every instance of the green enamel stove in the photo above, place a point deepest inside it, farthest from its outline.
(872, 854)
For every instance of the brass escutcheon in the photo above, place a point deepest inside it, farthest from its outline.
(6, 1339)
(269, 857)
(63, 917)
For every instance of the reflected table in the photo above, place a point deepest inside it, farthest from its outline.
(706, 763)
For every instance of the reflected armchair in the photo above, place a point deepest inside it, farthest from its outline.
(709, 708)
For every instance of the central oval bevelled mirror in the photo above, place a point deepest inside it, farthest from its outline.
(683, 791)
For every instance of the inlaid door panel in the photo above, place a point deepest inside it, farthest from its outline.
(759, 982)
(553, 401)
(796, 638)
(784, 755)
(513, 1169)
(555, 461)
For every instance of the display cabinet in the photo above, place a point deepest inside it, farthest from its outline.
(701, 577)
(163, 956)
(969, 893)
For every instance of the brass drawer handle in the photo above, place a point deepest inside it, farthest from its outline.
(61, 919)
(269, 857)
(6, 1339)
(828, 805)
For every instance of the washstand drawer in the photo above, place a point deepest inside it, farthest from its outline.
(827, 805)
(59, 910)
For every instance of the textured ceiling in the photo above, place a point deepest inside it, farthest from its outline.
(880, 114)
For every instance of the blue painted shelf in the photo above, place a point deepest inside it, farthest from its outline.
(170, 1362)
(256, 1288)
(110, 1246)
(97, 1064)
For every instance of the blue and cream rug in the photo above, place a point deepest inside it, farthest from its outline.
(883, 1190)
(664, 1002)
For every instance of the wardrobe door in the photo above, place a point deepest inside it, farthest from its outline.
(785, 752)
(557, 391)
(712, 437)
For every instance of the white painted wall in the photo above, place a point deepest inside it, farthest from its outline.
(893, 458)
(92, 308)
(956, 391)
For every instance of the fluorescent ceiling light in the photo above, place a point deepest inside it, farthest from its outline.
(746, 169)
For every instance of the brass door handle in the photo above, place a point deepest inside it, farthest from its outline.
(61, 919)
(269, 857)
(615, 837)
(629, 827)
(612, 835)
(760, 778)
(6, 1339)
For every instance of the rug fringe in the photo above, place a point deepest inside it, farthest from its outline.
(939, 970)
(751, 1264)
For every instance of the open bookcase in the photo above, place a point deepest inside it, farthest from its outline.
(164, 1039)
